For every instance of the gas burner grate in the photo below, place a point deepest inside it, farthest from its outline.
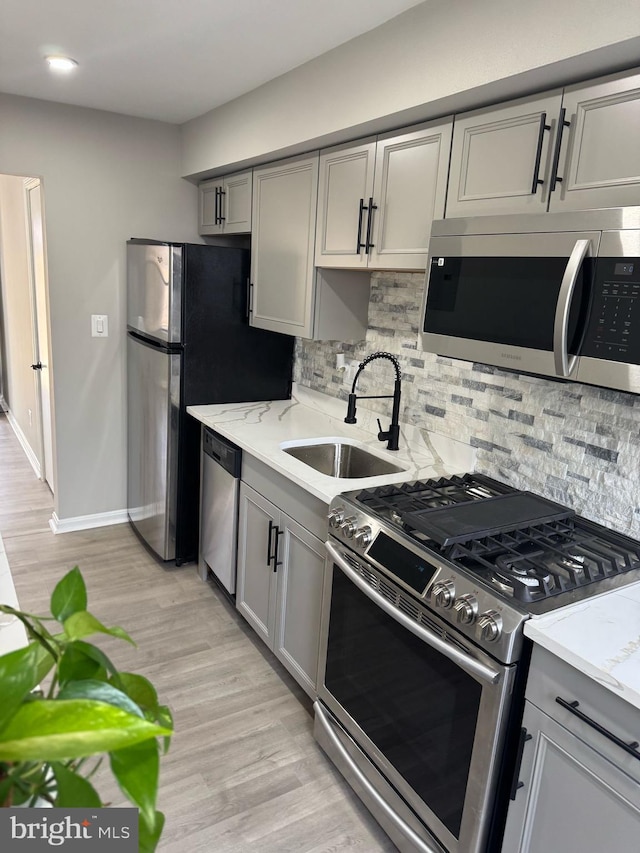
(547, 560)
(428, 494)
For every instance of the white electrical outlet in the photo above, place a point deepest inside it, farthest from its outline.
(99, 326)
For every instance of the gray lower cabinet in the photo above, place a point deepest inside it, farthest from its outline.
(579, 791)
(279, 583)
(566, 149)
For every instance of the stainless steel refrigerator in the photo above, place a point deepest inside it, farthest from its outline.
(188, 343)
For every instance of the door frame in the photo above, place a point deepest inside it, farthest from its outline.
(40, 325)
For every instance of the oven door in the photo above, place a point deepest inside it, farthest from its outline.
(412, 713)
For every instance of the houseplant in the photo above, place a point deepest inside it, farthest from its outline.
(65, 706)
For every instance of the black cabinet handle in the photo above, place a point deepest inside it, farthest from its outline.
(270, 556)
(536, 168)
(556, 154)
(222, 218)
(216, 206)
(359, 243)
(572, 707)
(37, 366)
(516, 784)
(276, 561)
(371, 207)
(249, 299)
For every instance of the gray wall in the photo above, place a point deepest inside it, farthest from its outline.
(573, 443)
(105, 178)
(439, 57)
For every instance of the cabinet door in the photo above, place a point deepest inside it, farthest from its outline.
(237, 203)
(499, 155)
(282, 246)
(572, 798)
(209, 207)
(256, 586)
(345, 187)
(600, 158)
(409, 191)
(299, 597)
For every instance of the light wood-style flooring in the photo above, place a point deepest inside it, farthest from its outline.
(244, 774)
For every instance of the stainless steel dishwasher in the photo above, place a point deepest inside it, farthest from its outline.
(221, 464)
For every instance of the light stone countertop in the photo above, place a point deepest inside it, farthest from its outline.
(260, 429)
(599, 637)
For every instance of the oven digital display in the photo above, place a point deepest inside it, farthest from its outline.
(404, 564)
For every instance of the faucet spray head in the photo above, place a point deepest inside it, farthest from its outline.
(351, 410)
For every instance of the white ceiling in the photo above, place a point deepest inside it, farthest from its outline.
(171, 59)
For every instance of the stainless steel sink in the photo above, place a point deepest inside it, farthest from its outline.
(338, 459)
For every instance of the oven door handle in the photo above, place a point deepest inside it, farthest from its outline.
(420, 845)
(465, 662)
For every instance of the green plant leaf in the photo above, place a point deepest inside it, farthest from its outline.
(20, 672)
(136, 769)
(76, 663)
(140, 689)
(54, 730)
(148, 837)
(101, 692)
(82, 623)
(69, 596)
(73, 790)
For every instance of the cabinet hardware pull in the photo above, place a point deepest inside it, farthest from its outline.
(359, 243)
(276, 561)
(221, 217)
(556, 154)
(37, 366)
(572, 707)
(515, 783)
(215, 217)
(368, 244)
(270, 556)
(249, 299)
(537, 181)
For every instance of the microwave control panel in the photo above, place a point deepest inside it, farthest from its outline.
(613, 332)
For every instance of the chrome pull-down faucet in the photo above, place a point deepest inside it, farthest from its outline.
(391, 435)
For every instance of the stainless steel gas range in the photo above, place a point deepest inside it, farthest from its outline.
(423, 658)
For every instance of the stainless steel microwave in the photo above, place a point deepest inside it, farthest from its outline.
(552, 294)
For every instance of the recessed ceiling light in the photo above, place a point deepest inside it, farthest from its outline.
(61, 63)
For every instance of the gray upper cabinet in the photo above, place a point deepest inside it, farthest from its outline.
(599, 158)
(288, 294)
(568, 149)
(377, 199)
(224, 204)
(501, 157)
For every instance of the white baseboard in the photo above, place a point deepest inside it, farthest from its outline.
(33, 459)
(86, 522)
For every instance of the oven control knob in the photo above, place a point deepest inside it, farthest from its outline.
(466, 608)
(490, 626)
(443, 593)
(336, 516)
(348, 526)
(363, 536)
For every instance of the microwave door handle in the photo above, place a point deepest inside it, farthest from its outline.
(564, 365)
(465, 662)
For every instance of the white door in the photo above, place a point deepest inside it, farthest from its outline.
(40, 314)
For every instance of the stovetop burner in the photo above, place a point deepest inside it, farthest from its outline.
(536, 560)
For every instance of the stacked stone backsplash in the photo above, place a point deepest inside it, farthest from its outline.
(573, 443)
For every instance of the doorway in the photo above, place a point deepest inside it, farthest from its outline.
(24, 321)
